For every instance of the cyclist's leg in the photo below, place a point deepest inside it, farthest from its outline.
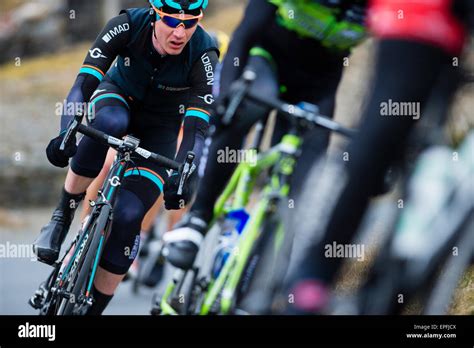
(216, 174)
(141, 187)
(322, 92)
(111, 116)
(350, 185)
(150, 218)
(315, 142)
(94, 187)
(183, 246)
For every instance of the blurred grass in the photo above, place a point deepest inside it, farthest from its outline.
(353, 274)
(464, 297)
(226, 19)
(7, 5)
(33, 67)
(50, 75)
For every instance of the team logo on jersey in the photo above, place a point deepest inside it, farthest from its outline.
(208, 68)
(96, 53)
(115, 31)
(208, 99)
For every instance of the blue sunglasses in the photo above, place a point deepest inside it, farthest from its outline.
(175, 21)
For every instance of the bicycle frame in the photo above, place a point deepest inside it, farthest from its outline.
(100, 219)
(283, 158)
(105, 200)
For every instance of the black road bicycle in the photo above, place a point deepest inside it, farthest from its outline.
(67, 290)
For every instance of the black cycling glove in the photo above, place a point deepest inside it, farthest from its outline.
(173, 201)
(57, 157)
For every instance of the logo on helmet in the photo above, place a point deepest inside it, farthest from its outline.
(186, 5)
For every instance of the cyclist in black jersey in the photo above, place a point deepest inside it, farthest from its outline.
(163, 76)
(297, 49)
(414, 54)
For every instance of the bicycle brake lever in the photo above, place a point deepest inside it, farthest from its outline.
(71, 131)
(188, 169)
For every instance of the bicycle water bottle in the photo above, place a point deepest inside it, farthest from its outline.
(233, 226)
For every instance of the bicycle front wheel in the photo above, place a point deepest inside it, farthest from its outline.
(255, 292)
(79, 280)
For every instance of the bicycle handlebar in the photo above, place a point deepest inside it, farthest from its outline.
(241, 91)
(116, 143)
(130, 144)
(295, 111)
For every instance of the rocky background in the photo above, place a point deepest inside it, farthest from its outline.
(29, 28)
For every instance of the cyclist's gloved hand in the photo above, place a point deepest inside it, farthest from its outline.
(223, 102)
(218, 109)
(57, 157)
(173, 201)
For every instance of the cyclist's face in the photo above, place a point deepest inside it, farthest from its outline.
(171, 40)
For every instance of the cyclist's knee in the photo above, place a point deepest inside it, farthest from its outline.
(266, 85)
(90, 155)
(124, 240)
(112, 120)
(129, 210)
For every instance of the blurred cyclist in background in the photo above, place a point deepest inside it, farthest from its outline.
(297, 50)
(418, 41)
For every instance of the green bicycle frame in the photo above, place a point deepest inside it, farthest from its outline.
(239, 189)
(229, 277)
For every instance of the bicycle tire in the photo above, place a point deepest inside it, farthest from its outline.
(255, 286)
(378, 294)
(85, 264)
(441, 293)
(182, 301)
(204, 264)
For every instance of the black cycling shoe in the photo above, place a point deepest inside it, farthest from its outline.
(48, 244)
(182, 244)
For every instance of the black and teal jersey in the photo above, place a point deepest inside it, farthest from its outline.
(169, 89)
(143, 73)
